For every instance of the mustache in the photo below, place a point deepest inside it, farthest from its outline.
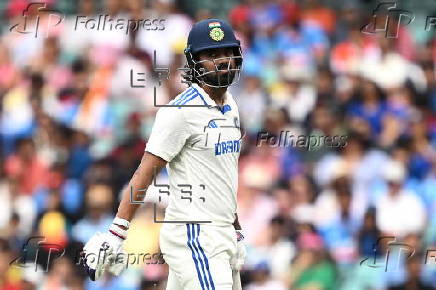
(225, 66)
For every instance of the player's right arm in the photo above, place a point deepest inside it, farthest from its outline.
(169, 134)
(101, 251)
(167, 138)
(133, 193)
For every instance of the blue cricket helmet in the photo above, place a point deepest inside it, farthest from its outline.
(212, 34)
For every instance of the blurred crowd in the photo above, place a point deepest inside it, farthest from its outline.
(73, 130)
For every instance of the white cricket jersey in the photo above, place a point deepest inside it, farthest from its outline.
(201, 145)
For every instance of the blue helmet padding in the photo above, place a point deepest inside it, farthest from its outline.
(199, 38)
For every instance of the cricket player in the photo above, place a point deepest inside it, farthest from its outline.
(198, 138)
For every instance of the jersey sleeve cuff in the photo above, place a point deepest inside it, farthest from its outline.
(163, 155)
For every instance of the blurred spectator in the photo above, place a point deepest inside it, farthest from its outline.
(278, 251)
(314, 11)
(262, 280)
(351, 52)
(9, 276)
(369, 234)
(338, 220)
(26, 168)
(62, 275)
(369, 105)
(252, 102)
(48, 65)
(8, 70)
(53, 223)
(303, 194)
(79, 159)
(18, 207)
(239, 18)
(298, 93)
(399, 212)
(388, 61)
(99, 200)
(312, 268)
(175, 26)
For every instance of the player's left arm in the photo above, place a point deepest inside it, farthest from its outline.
(238, 260)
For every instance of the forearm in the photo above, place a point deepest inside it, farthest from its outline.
(132, 196)
(134, 193)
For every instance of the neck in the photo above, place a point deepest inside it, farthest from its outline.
(216, 94)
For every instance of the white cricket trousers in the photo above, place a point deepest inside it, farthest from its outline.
(198, 255)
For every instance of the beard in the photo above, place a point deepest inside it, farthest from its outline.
(219, 80)
(222, 78)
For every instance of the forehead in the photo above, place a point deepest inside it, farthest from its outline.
(217, 50)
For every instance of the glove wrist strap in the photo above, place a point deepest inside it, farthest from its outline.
(121, 222)
(118, 232)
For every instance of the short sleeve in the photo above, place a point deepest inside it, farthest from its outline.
(169, 133)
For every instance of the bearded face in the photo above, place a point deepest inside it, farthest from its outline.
(217, 67)
(222, 76)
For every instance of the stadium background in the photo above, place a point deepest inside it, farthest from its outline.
(73, 131)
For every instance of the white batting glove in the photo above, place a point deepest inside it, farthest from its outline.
(238, 260)
(101, 251)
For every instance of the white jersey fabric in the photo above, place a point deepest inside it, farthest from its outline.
(201, 143)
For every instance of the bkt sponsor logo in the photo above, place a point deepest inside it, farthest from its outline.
(32, 23)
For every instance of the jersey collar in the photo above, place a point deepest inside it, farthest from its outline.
(210, 103)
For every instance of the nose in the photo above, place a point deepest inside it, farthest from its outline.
(222, 61)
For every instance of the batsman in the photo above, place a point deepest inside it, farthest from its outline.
(197, 137)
